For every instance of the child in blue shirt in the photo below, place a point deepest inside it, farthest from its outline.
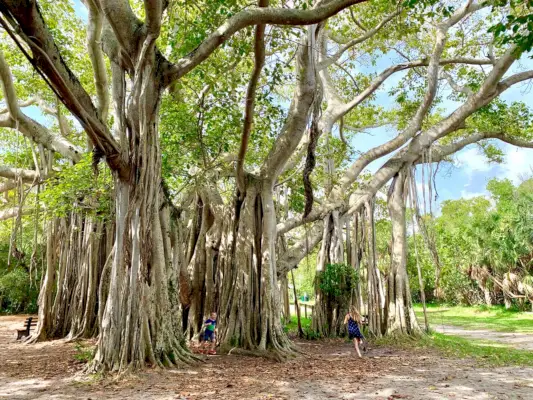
(210, 326)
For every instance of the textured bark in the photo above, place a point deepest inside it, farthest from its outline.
(284, 291)
(329, 312)
(399, 312)
(138, 327)
(250, 305)
(375, 296)
(76, 254)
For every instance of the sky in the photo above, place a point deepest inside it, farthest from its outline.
(467, 177)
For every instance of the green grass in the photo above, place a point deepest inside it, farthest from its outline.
(292, 326)
(484, 351)
(495, 318)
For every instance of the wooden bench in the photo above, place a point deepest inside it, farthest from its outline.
(28, 324)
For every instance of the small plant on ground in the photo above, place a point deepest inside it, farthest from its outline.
(83, 353)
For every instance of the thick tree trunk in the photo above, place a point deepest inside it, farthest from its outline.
(329, 312)
(77, 247)
(376, 297)
(138, 326)
(320, 321)
(45, 324)
(400, 316)
(250, 310)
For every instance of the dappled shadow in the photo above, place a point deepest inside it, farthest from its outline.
(329, 370)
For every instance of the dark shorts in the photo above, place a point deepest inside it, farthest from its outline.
(355, 336)
(208, 335)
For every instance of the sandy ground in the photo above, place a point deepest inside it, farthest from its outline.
(515, 339)
(328, 371)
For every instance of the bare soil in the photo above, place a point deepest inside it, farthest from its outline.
(329, 370)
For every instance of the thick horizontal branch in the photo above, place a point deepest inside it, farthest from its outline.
(292, 257)
(441, 152)
(245, 18)
(13, 212)
(27, 175)
(8, 185)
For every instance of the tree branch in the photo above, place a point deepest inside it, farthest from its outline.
(26, 19)
(27, 175)
(274, 16)
(292, 257)
(354, 42)
(8, 185)
(28, 126)
(441, 152)
(94, 37)
(489, 90)
(125, 25)
(455, 86)
(13, 212)
(296, 121)
(259, 52)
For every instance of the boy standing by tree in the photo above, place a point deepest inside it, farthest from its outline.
(209, 333)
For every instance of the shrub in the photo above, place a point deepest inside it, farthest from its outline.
(16, 292)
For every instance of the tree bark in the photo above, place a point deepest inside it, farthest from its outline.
(400, 315)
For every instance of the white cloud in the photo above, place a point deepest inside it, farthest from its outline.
(470, 195)
(518, 164)
(471, 160)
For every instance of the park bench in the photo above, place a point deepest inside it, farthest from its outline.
(28, 324)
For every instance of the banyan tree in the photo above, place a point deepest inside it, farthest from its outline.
(212, 148)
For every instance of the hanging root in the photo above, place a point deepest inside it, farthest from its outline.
(310, 161)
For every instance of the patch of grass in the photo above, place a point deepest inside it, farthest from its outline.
(496, 318)
(83, 353)
(292, 326)
(485, 351)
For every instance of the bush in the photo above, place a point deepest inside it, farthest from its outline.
(16, 292)
(337, 281)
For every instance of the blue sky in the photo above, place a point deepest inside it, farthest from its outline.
(467, 177)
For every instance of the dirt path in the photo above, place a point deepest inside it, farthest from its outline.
(517, 340)
(328, 371)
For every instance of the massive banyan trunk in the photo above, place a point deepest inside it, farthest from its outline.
(138, 325)
(356, 253)
(250, 308)
(329, 313)
(243, 255)
(232, 270)
(399, 313)
(375, 294)
(76, 254)
(199, 274)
